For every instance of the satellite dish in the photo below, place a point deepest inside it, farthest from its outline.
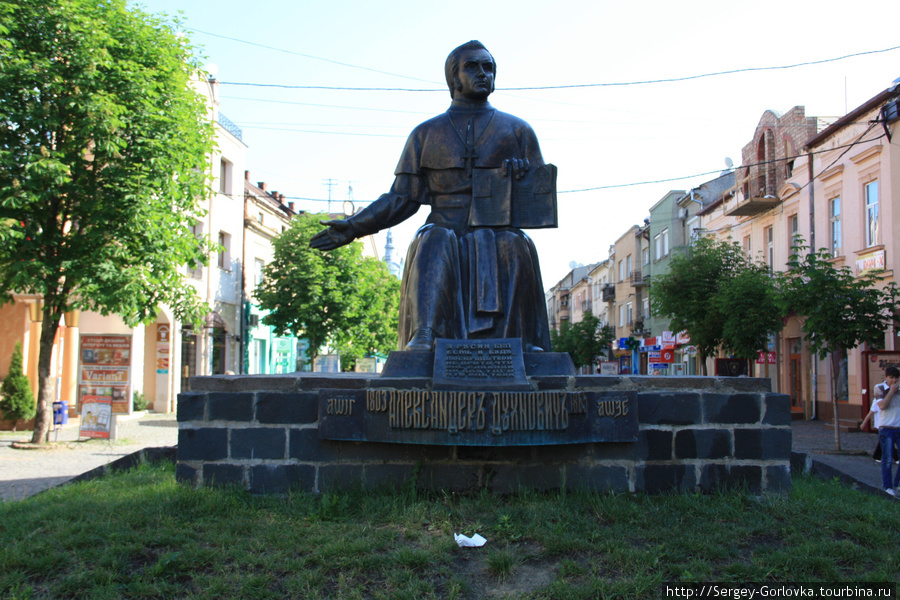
(572, 264)
(728, 162)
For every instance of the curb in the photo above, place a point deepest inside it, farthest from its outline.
(801, 462)
(145, 455)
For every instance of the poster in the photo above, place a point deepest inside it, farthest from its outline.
(96, 416)
(105, 370)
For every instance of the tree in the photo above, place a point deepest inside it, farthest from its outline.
(16, 398)
(720, 297)
(104, 148)
(335, 298)
(584, 341)
(840, 310)
(377, 312)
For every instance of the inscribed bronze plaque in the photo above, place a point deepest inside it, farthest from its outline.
(478, 418)
(479, 364)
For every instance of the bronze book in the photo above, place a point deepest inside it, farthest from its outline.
(501, 200)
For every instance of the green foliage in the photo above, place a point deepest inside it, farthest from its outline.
(584, 341)
(720, 297)
(16, 397)
(336, 298)
(140, 401)
(840, 310)
(103, 164)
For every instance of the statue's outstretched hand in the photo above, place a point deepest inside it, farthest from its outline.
(518, 167)
(339, 233)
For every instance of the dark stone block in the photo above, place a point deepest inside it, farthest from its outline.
(497, 453)
(713, 477)
(391, 477)
(230, 406)
(191, 406)
(597, 478)
(223, 475)
(777, 409)
(244, 383)
(748, 477)
(652, 383)
(540, 364)
(186, 474)
(409, 364)
(290, 408)
(583, 382)
(306, 446)
(762, 444)
(655, 479)
(565, 453)
(506, 479)
(731, 408)
(655, 444)
(760, 385)
(401, 383)
(778, 479)
(258, 443)
(375, 452)
(278, 479)
(202, 444)
(336, 477)
(551, 383)
(342, 381)
(659, 408)
(622, 450)
(453, 477)
(702, 443)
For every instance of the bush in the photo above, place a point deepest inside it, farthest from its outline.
(16, 399)
(140, 401)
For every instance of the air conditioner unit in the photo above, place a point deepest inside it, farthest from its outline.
(683, 213)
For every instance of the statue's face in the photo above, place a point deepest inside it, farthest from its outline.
(476, 74)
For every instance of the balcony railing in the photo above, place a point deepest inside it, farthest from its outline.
(230, 127)
(608, 293)
(638, 279)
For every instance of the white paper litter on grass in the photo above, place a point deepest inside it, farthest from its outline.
(465, 541)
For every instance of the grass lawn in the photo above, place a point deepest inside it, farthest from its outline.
(141, 535)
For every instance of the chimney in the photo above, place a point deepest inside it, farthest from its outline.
(291, 206)
(261, 185)
(246, 175)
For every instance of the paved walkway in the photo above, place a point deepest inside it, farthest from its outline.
(24, 473)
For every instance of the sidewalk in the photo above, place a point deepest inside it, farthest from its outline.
(24, 473)
(813, 450)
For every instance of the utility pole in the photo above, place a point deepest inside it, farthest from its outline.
(329, 183)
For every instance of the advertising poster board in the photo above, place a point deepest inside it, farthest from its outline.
(609, 367)
(105, 370)
(96, 417)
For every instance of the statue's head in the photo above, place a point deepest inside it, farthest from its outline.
(475, 81)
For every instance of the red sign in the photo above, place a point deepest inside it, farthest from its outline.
(761, 358)
(666, 356)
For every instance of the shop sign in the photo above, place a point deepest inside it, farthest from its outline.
(689, 350)
(762, 356)
(682, 338)
(870, 262)
(105, 371)
(663, 356)
(667, 338)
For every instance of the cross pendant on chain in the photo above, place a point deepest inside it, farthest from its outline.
(470, 155)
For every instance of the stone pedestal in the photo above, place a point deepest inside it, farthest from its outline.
(693, 434)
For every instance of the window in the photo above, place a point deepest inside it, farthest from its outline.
(793, 231)
(834, 216)
(224, 257)
(661, 241)
(770, 247)
(628, 266)
(646, 308)
(629, 313)
(621, 271)
(871, 194)
(621, 315)
(196, 272)
(224, 176)
(747, 245)
(645, 256)
(258, 266)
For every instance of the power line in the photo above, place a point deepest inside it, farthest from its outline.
(561, 87)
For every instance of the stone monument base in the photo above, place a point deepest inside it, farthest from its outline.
(261, 433)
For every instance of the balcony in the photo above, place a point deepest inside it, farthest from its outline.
(608, 293)
(750, 199)
(637, 327)
(638, 279)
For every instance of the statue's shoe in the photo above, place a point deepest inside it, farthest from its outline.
(423, 341)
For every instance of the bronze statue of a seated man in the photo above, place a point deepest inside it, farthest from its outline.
(471, 272)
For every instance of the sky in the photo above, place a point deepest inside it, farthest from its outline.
(619, 148)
